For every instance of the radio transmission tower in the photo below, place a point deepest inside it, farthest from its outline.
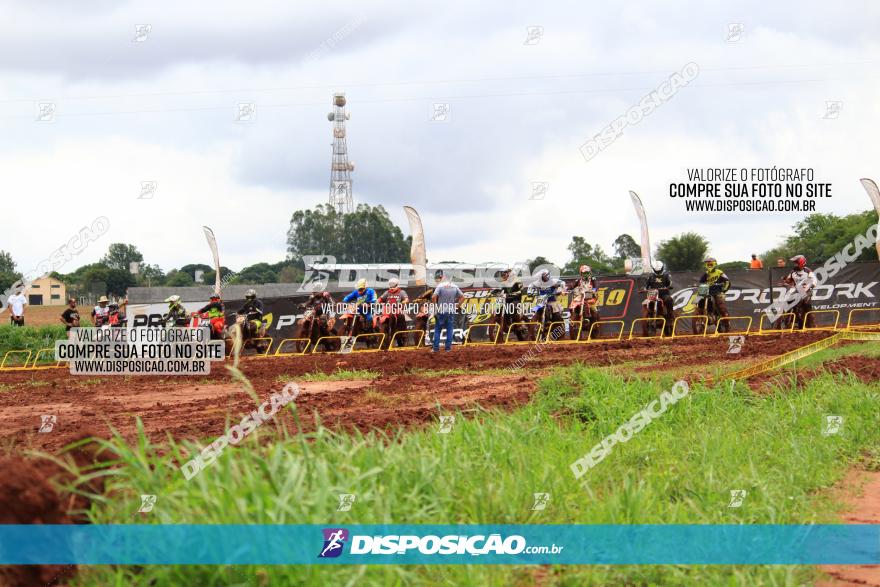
(341, 167)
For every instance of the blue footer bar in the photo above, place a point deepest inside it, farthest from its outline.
(439, 544)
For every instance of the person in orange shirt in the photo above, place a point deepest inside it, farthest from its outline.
(756, 263)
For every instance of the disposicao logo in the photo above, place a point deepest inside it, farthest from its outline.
(334, 540)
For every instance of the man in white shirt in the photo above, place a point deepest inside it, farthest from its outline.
(17, 302)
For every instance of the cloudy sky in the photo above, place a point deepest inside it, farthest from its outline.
(160, 107)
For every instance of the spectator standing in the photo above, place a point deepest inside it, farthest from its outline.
(70, 316)
(447, 296)
(780, 262)
(756, 262)
(17, 302)
(101, 313)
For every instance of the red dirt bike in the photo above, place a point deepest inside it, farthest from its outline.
(654, 310)
(218, 327)
(700, 323)
(389, 324)
(313, 328)
(585, 319)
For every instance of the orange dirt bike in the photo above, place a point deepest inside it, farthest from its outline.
(389, 324)
(312, 327)
(351, 324)
(585, 319)
(654, 310)
(700, 323)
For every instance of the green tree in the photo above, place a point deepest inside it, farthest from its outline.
(150, 276)
(685, 252)
(583, 253)
(626, 247)
(537, 262)
(257, 273)
(8, 273)
(193, 267)
(733, 266)
(820, 236)
(176, 278)
(290, 274)
(120, 255)
(367, 235)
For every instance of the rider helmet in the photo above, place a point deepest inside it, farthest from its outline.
(658, 267)
(393, 283)
(545, 275)
(362, 285)
(710, 263)
(251, 294)
(585, 270)
(170, 299)
(798, 262)
(215, 296)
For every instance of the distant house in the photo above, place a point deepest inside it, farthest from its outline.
(46, 291)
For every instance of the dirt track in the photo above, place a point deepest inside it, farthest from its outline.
(401, 395)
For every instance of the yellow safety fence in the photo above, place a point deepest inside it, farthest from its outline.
(491, 339)
(417, 343)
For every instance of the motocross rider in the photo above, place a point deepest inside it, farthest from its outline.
(718, 286)
(660, 280)
(586, 283)
(549, 286)
(176, 315)
(364, 298)
(214, 311)
(393, 300)
(803, 280)
(252, 310)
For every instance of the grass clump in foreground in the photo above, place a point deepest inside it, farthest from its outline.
(678, 470)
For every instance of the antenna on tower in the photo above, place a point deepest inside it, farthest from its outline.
(341, 167)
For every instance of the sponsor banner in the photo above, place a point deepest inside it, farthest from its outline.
(854, 287)
(218, 544)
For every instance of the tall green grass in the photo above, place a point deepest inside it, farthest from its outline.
(17, 338)
(680, 469)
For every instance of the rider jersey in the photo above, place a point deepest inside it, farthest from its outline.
(513, 292)
(363, 301)
(582, 287)
(214, 310)
(803, 280)
(659, 282)
(254, 306)
(717, 280)
(551, 288)
(393, 299)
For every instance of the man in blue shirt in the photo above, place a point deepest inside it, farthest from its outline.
(363, 298)
(447, 296)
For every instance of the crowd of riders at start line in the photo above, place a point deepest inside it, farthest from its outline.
(545, 286)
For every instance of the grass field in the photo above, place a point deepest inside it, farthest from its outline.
(680, 469)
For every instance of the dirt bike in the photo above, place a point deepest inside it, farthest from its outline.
(351, 324)
(578, 316)
(800, 311)
(313, 328)
(390, 324)
(198, 320)
(700, 323)
(654, 309)
(504, 319)
(242, 329)
(545, 318)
